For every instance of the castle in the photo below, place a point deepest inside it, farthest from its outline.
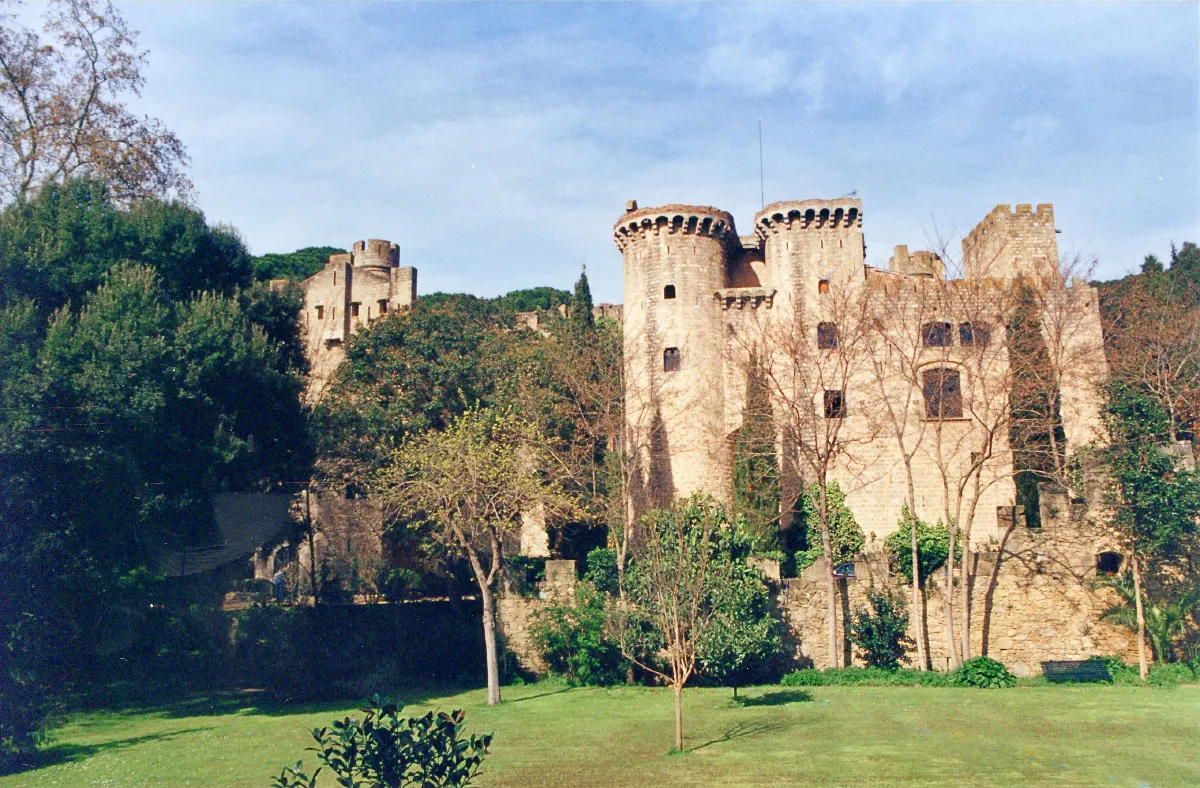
(898, 384)
(345, 295)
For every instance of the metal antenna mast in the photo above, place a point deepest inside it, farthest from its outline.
(762, 192)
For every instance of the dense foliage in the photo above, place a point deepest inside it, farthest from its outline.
(386, 750)
(880, 633)
(755, 475)
(139, 376)
(933, 545)
(297, 265)
(845, 534)
(741, 643)
(571, 636)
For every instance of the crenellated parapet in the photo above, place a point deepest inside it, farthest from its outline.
(777, 217)
(1009, 242)
(702, 220)
(376, 251)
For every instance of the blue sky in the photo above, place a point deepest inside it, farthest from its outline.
(497, 143)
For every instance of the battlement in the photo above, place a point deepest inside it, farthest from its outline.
(1008, 242)
(919, 263)
(675, 219)
(376, 252)
(842, 213)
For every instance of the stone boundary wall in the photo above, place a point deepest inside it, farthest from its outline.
(1038, 604)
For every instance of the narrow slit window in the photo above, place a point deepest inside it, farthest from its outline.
(669, 291)
(935, 335)
(354, 309)
(835, 404)
(671, 359)
(823, 286)
(943, 394)
(383, 306)
(320, 312)
(974, 334)
(827, 338)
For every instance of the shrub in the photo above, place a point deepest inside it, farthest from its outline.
(571, 640)
(933, 545)
(866, 677)
(983, 672)
(386, 749)
(881, 632)
(845, 535)
(601, 570)
(742, 640)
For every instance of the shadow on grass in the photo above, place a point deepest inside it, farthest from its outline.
(72, 753)
(548, 692)
(740, 731)
(779, 698)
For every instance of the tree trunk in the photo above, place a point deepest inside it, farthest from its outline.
(948, 601)
(678, 718)
(917, 613)
(830, 582)
(1143, 668)
(489, 644)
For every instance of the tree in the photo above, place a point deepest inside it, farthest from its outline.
(845, 537)
(1163, 618)
(880, 632)
(581, 305)
(755, 469)
(470, 483)
(743, 638)
(297, 265)
(1155, 502)
(62, 110)
(933, 546)
(675, 586)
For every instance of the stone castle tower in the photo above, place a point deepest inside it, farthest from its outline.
(350, 291)
(698, 295)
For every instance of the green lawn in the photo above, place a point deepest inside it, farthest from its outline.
(548, 735)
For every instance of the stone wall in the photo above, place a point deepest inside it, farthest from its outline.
(515, 614)
(1032, 599)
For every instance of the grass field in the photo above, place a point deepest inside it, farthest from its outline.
(549, 735)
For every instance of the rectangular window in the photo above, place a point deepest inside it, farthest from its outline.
(354, 309)
(974, 334)
(383, 306)
(936, 335)
(943, 397)
(823, 286)
(827, 338)
(320, 312)
(835, 404)
(671, 359)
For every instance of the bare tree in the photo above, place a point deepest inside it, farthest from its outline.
(62, 112)
(812, 358)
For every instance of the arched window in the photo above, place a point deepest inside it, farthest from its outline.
(943, 394)
(671, 359)
(935, 335)
(1108, 563)
(827, 338)
(974, 334)
(669, 291)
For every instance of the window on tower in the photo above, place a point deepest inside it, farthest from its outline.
(669, 291)
(827, 338)
(943, 394)
(671, 359)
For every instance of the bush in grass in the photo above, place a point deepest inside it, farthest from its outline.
(983, 672)
(386, 749)
(1171, 674)
(570, 637)
(880, 633)
(866, 677)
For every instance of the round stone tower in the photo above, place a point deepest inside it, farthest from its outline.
(807, 242)
(675, 259)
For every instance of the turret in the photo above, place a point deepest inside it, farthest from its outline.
(810, 241)
(676, 258)
(1007, 244)
(376, 252)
